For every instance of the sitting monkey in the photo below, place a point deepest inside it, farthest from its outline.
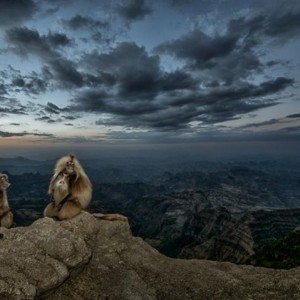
(6, 216)
(70, 189)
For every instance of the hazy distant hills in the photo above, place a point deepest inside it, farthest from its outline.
(132, 169)
(20, 165)
(213, 210)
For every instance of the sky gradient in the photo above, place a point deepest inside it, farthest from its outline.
(127, 76)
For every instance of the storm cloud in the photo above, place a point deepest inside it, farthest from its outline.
(133, 10)
(30, 42)
(79, 21)
(24, 133)
(16, 12)
(199, 48)
(169, 112)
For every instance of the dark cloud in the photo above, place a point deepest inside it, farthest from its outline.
(236, 54)
(16, 11)
(280, 121)
(178, 80)
(51, 113)
(273, 86)
(44, 118)
(52, 108)
(286, 25)
(199, 48)
(9, 109)
(2, 89)
(293, 116)
(65, 73)
(134, 73)
(278, 22)
(50, 12)
(175, 111)
(48, 120)
(58, 40)
(58, 68)
(219, 59)
(30, 84)
(133, 10)
(291, 130)
(97, 37)
(29, 41)
(5, 134)
(145, 96)
(70, 117)
(180, 2)
(79, 21)
(249, 91)
(130, 66)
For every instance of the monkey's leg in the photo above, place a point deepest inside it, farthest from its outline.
(69, 210)
(51, 210)
(7, 220)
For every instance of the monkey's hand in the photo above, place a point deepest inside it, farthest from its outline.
(60, 201)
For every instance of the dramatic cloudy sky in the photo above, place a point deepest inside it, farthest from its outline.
(139, 74)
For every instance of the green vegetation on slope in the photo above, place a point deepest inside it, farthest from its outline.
(281, 253)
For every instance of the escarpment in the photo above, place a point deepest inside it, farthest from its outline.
(241, 239)
(89, 258)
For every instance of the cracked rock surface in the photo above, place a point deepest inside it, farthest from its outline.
(88, 258)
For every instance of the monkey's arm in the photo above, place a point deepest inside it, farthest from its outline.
(4, 211)
(58, 198)
(7, 220)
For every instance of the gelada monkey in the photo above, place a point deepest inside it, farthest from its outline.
(6, 216)
(70, 189)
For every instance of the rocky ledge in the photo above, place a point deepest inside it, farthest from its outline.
(89, 258)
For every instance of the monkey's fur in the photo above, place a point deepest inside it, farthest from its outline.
(70, 188)
(6, 216)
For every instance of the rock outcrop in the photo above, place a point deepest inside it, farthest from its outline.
(88, 258)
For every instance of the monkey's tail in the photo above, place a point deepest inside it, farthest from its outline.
(111, 217)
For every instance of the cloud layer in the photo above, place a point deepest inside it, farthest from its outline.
(217, 77)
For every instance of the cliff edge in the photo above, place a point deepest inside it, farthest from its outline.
(89, 258)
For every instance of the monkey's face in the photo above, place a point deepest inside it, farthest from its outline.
(70, 168)
(4, 184)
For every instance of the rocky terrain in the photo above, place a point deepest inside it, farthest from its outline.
(171, 221)
(81, 258)
(241, 239)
